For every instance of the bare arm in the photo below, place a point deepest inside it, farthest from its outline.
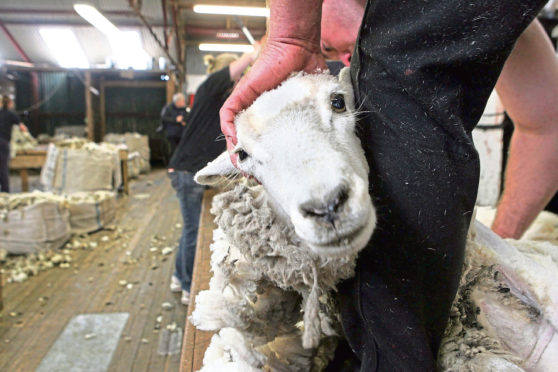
(293, 44)
(528, 87)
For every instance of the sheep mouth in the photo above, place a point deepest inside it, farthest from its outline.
(348, 243)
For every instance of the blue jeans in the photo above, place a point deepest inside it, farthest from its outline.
(189, 195)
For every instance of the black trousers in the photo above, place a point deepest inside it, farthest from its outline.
(422, 72)
(4, 165)
(173, 141)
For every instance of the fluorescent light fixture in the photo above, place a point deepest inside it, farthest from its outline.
(64, 46)
(239, 48)
(232, 10)
(128, 51)
(126, 46)
(93, 16)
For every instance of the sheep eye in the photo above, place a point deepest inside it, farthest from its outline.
(242, 155)
(338, 103)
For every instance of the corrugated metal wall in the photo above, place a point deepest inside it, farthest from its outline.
(134, 109)
(63, 97)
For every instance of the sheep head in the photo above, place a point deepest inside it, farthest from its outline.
(299, 142)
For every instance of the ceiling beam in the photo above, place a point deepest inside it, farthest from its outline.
(165, 23)
(153, 34)
(15, 43)
(62, 12)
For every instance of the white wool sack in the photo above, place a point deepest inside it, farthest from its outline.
(69, 170)
(135, 142)
(91, 211)
(49, 167)
(114, 152)
(134, 164)
(35, 228)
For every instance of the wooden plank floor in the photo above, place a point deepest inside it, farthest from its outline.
(37, 310)
(196, 341)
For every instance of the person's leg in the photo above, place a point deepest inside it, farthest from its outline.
(422, 73)
(189, 194)
(173, 142)
(4, 166)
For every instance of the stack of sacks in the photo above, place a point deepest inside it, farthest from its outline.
(78, 165)
(135, 142)
(91, 211)
(21, 141)
(33, 222)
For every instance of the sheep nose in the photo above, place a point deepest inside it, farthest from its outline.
(326, 209)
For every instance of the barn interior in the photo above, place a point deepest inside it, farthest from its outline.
(90, 224)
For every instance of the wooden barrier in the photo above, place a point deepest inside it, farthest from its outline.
(195, 341)
(28, 159)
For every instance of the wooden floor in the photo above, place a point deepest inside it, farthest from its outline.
(37, 310)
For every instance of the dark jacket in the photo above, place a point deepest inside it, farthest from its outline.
(7, 120)
(168, 120)
(202, 140)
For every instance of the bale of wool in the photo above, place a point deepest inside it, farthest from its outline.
(21, 141)
(81, 166)
(91, 211)
(135, 142)
(33, 222)
(69, 131)
(134, 164)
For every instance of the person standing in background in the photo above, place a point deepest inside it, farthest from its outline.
(199, 145)
(8, 119)
(173, 119)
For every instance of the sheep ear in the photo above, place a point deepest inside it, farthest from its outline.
(216, 171)
(345, 77)
(346, 82)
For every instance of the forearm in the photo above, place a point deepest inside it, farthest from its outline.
(527, 87)
(296, 22)
(531, 179)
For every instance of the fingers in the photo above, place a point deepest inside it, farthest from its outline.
(241, 98)
(275, 65)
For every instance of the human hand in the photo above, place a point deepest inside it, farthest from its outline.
(23, 128)
(277, 60)
(179, 118)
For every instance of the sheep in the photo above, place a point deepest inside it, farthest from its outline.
(504, 316)
(282, 246)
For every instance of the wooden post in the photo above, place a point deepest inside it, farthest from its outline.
(89, 108)
(124, 166)
(170, 87)
(102, 107)
(24, 180)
